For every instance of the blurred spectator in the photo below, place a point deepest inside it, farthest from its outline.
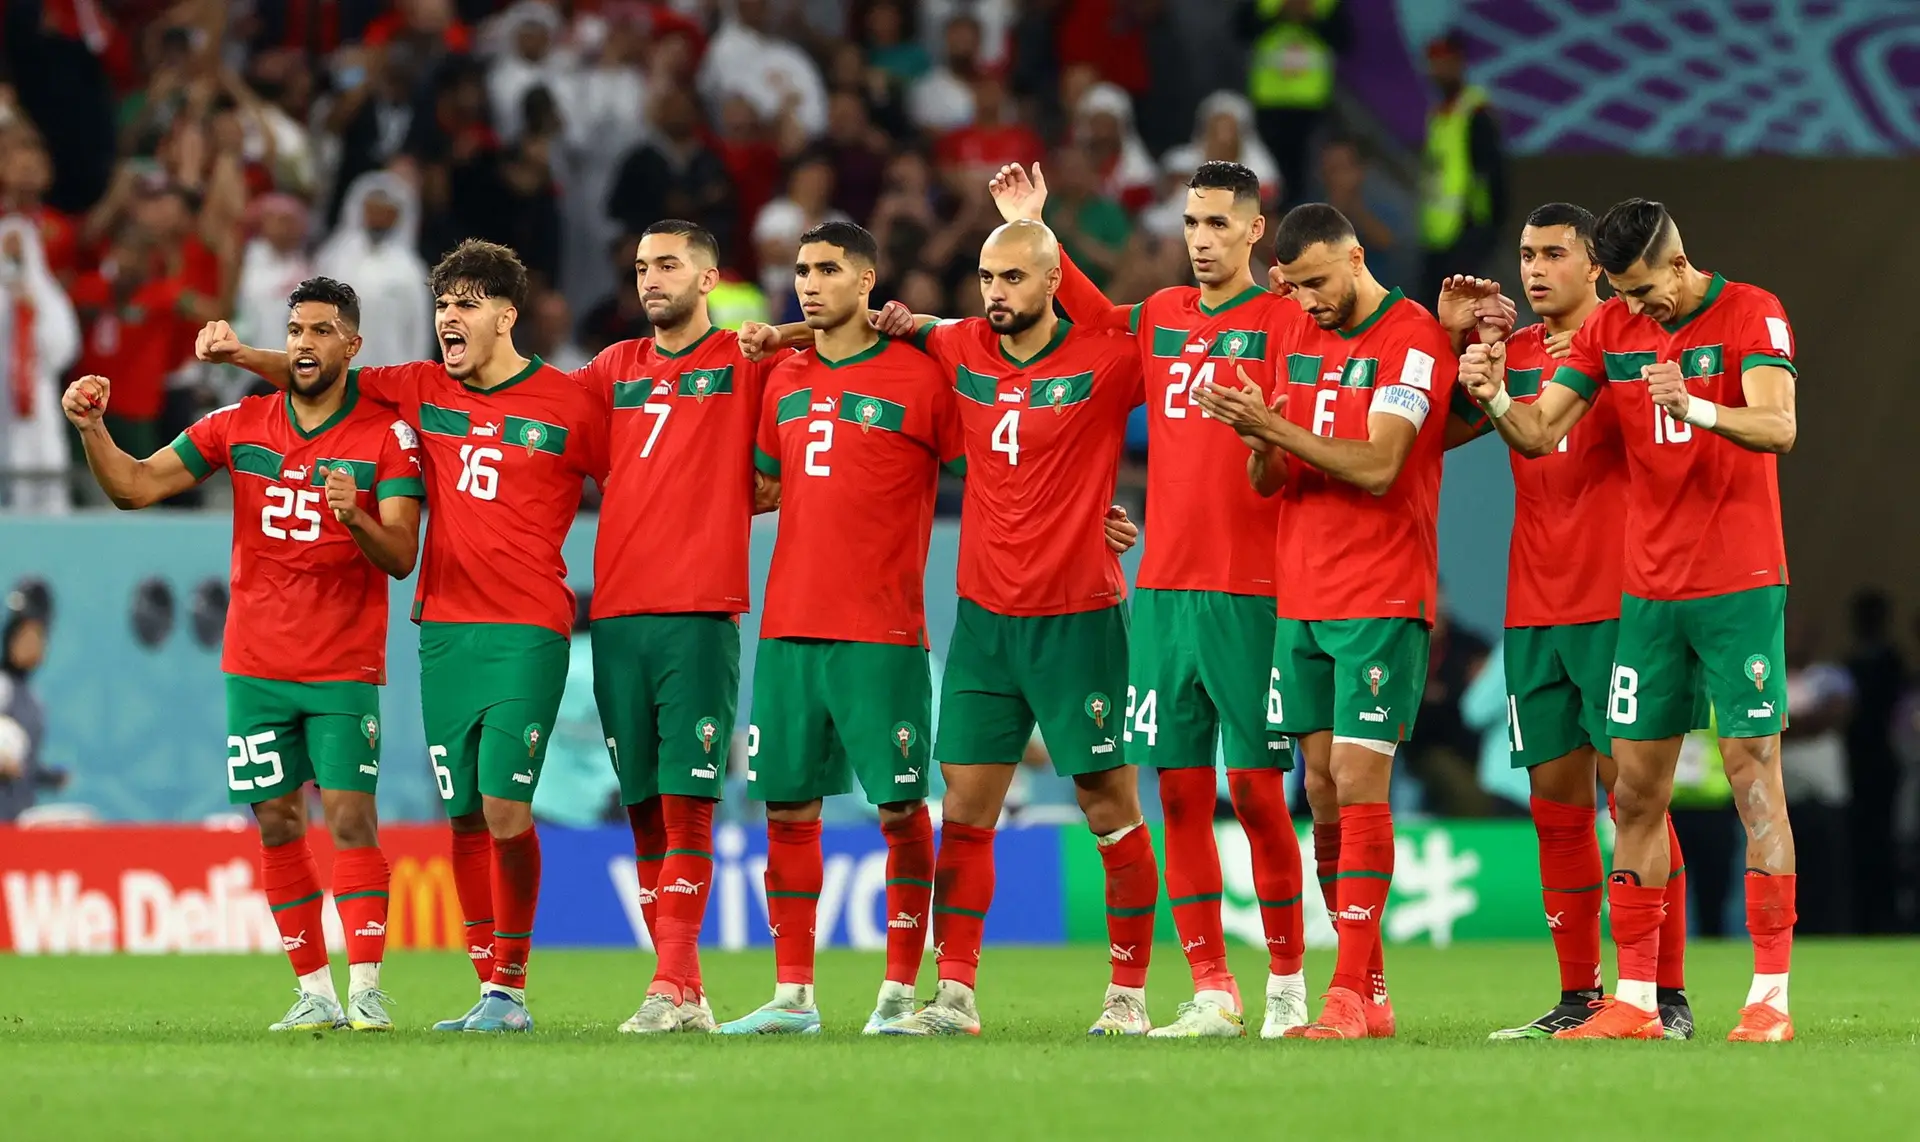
(374, 250)
(1111, 36)
(905, 217)
(754, 163)
(884, 95)
(26, 175)
(273, 262)
(1879, 674)
(618, 316)
(604, 103)
(278, 94)
(942, 99)
(1091, 225)
(993, 21)
(1382, 225)
(372, 116)
(529, 58)
(858, 152)
(1813, 768)
(130, 311)
(1165, 218)
(970, 155)
(1103, 127)
(776, 233)
(432, 29)
(890, 46)
(1484, 710)
(515, 201)
(549, 333)
(673, 175)
(454, 147)
(1223, 132)
(39, 338)
(748, 60)
(1465, 175)
(1290, 77)
(23, 720)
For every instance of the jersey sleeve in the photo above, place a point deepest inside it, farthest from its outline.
(1087, 306)
(949, 435)
(203, 446)
(398, 473)
(1408, 376)
(597, 377)
(766, 444)
(1762, 336)
(943, 340)
(388, 384)
(1585, 368)
(1130, 377)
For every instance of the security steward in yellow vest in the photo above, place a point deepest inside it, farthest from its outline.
(1290, 76)
(1463, 193)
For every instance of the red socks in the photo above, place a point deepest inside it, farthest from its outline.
(1672, 965)
(1260, 801)
(909, 894)
(473, 884)
(1571, 881)
(685, 877)
(1637, 912)
(292, 884)
(795, 871)
(1770, 920)
(1366, 873)
(962, 893)
(516, 894)
(1193, 874)
(1133, 886)
(648, 822)
(1326, 865)
(360, 893)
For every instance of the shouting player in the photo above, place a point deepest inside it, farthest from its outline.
(1352, 450)
(854, 431)
(326, 505)
(1565, 561)
(1700, 371)
(507, 443)
(670, 583)
(1203, 609)
(1041, 632)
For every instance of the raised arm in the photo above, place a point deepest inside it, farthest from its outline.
(130, 483)
(1530, 429)
(216, 342)
(1019, 197)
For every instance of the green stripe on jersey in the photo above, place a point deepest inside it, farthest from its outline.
(1701, 361)
(535, 435)
(872, 412)
(254, 460)
(442, 421)
(632, 394)
(1523, 382)
(1627, 366)
(703, 383)
(976, 387)
(189, 453)
(1058, 392)
(794, 406)
(363, 472)
(1303, 369)
(1244, 344)
(1359, 372)
(1169, 342)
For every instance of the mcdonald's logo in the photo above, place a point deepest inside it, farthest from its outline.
(423, 908)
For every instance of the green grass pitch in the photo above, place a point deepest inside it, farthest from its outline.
(174, 1048)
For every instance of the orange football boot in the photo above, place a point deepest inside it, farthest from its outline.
(1617, 1020)
(1343, 1015)
(1762, 1022)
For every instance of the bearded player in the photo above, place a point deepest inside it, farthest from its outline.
(508, 442)
(326, 505)
(670, 583)
(1203, 610)
(1701, 373)
(1353, 451)
(1565, 563)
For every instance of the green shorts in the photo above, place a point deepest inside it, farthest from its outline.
(1004, 673)
(668, 687)
(488, 696)
(1198, 670)
(281, 735)
(1557, 684)
(1731, 646)
(825, 712)
(1360, 678)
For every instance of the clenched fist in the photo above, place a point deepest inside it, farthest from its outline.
(894, 319)
(342, 494)
(1667, 387)
(757, 340)
(216, 343)
(1483, 370)
(85, 401)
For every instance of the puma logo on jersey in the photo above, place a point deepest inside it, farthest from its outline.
(1330, 375)
(663, 389)
(1014, 396)
(1196, 346)
(294, 475)
(825, 405)
(487, 429)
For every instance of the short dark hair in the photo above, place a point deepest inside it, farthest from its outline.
(1632, 231)
(1307, 224)
(1217, 175)
(852, 238)
(697, 236)
(1565, 214)
(327, 291)
(483, 269)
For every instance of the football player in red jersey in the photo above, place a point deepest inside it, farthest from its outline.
(1353, 450)
(1701, 373)
(326, 505)
(1564, 570)
(670, 583)
(508, 442)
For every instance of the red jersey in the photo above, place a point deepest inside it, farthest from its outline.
(1568, 550)
(857, 445)
(134, 340)
(1343, 553)
(1044, 438)
(1703, 512)
(306, 606)
(678, 511)
(505, 467)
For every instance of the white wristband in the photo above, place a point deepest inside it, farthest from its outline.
(1498, 406)
(1701, 412)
